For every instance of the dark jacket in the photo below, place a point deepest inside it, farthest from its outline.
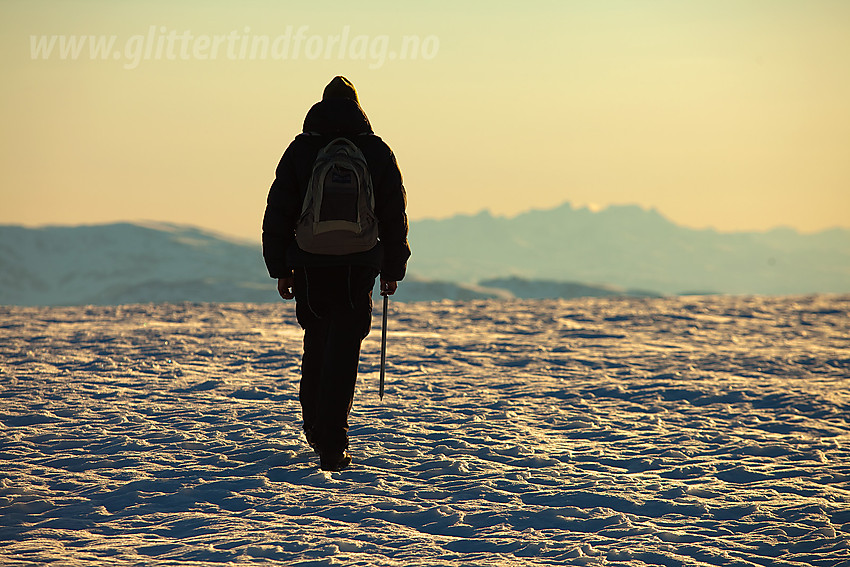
(325, 121)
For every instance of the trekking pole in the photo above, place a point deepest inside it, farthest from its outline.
(383, 348)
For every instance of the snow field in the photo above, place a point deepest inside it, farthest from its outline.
(676, 431)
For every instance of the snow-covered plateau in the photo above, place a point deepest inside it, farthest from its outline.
(686, 431)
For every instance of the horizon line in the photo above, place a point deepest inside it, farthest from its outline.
(484, 211)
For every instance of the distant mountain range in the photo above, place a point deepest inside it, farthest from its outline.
(563, 252)
(632, 248)
(143, 263)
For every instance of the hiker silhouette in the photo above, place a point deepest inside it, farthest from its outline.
(335, 218)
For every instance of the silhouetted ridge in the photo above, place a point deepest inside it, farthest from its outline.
(619, 250)
(633, 248)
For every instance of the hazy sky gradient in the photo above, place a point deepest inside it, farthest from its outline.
(722, 114)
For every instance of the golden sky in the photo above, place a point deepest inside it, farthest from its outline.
(724, 114)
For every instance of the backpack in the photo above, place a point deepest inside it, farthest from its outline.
(338, 214)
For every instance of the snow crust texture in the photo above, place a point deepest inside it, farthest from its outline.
(638, 431)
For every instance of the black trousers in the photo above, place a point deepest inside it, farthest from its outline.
(334, 307)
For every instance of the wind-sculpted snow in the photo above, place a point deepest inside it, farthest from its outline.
(676, 431)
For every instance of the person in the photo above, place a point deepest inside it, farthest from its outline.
(333, 293)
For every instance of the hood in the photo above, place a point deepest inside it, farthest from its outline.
(340, 87)
(337, 116)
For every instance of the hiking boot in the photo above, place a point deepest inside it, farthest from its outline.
(334, 461)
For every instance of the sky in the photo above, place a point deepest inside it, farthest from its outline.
(731, 115)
